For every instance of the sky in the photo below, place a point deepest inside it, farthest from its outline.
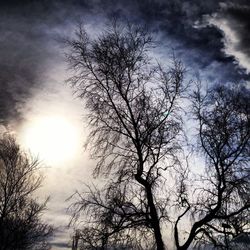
(210, 37)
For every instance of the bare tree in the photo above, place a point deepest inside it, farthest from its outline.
(20, 224)
(223, 197)
(133, 107)
(121, 213)
(135, 125)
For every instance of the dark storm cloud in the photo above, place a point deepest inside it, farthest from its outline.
(23, 55)
(233, 19)
(27, 34)
(29, 31)
(201, 48)
(240, 20)
(27, 42)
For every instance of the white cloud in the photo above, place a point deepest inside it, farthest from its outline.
(231, 40)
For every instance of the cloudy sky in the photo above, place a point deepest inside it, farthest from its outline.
(211, 37)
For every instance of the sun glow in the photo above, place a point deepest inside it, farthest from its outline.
(54, 139)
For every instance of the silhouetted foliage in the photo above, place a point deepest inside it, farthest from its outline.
(134, 116)
(223, 196)
(21, 226)
(134, 121)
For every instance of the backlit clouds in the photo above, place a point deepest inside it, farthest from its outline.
(211, 37)
(29, 31)
(234, 22)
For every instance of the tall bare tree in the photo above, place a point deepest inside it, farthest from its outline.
(223, 196)
(20, 224)
(135, 124)
(133, 116)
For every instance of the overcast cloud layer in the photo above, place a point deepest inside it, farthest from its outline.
(211, 37)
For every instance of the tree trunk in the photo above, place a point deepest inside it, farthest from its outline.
(154, 219)
(153, 212)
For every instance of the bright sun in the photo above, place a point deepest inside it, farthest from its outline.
(54, 139)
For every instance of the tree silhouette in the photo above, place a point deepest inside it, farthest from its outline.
(223, 197)
(133, 115)
(135, 120)
(20, 224)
